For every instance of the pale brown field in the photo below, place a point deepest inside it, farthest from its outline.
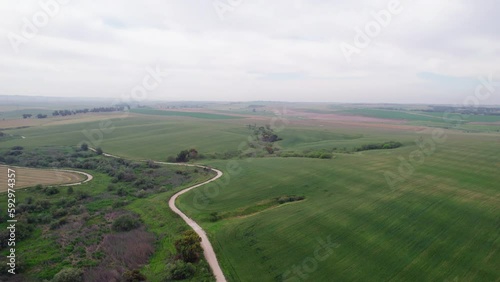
(28, 177)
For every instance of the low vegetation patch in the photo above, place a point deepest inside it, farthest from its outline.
(85, 228)
(385, 145)
(289, 199)
(254, 209)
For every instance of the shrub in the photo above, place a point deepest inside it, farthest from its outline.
(119, 204)
(59, 212)
(188, 246)
(80, 195)
(121, 192)
(133, 276)
(41, 205)
(84, 147)
(152, 164)
(51, 191)
(69, 275)
(141, 194)
(58, 223)
(70, 190)
(214, 216)
(385, 145)
(179, 270)
(287, 199)
(125, 223)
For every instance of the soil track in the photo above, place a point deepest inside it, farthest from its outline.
(208, 250)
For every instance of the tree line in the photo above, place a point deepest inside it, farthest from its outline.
(79, 111)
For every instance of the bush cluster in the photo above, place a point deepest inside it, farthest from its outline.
(125, 223)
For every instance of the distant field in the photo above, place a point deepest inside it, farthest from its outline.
(389, 114)
(419, 116)
(200, 115)
(28, 177)
(157, 137)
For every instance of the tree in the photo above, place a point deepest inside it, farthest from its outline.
(180, 270)
(193, 154)
(182, 156)
(84, 147)
(98, 150)
(189, 247)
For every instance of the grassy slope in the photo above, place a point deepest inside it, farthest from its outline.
(138, 137)
(440, 224)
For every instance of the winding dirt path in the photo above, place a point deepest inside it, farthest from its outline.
(208, 250)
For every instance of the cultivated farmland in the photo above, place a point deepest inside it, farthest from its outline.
(385, 214)
(29, 177)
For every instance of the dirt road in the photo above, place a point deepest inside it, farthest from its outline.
(208, 250)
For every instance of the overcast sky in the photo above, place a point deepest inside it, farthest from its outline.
(430, 51)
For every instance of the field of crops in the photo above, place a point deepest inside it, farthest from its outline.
(439, 224)
(28, 177)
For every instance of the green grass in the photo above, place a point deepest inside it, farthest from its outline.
(183, 114)
(441, 223)
(138, 137)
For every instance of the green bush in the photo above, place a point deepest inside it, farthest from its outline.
(180, 270)
(125, 223)
(188, 246)
(68, 275)
(50, 191)
(287, 199)
(59, 212)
